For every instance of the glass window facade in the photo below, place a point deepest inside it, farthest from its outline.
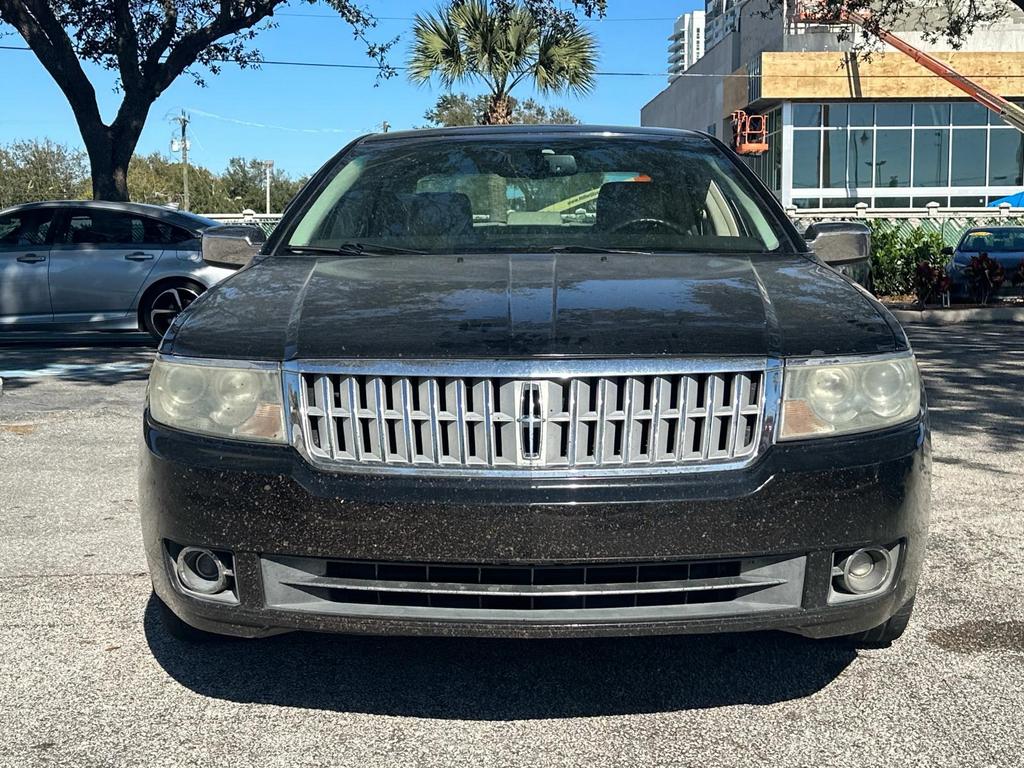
(931, 157)
(893, 113)
(897, 153)
(969, 113)
(806, 159)
(892, 158)
(968, 157)
(807, 115)
(1004, 157)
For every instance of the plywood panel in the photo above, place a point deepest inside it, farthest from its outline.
(886, 75)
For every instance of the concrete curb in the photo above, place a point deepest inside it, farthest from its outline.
(955, 316)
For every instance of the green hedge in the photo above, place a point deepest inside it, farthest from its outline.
(896, 252)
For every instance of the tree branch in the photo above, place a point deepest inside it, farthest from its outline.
(36, 23)
(187, 50)
(127, 46)
(163, 38)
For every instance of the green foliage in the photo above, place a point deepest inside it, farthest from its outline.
(502, 44)
(149, 44)
(461, 109)
(243, 184)
(41, 170)
(895, 257)
(158, 180)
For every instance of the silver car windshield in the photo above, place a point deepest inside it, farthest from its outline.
(495, 194)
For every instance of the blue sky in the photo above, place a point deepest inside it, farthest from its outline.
(324, 108)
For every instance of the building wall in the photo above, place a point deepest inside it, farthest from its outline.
(761, 28)
(765, 62)
(717, 83)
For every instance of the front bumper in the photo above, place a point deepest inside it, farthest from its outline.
(800, 500)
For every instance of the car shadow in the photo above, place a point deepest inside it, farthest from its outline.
(85, 358)
(479, 679)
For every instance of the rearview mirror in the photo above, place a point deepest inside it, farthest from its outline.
(232, 245)
(840, 242)
(561, 165)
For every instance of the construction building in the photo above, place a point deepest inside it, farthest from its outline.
(842, 130)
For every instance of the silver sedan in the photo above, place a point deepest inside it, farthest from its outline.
(100, 265)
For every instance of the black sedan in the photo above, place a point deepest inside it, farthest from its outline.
(442, 401)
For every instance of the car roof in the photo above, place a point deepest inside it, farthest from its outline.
(184, 219)
(975, 230)
(535, 130)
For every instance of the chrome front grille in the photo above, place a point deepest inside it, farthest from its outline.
(456, 416)
(619, 591)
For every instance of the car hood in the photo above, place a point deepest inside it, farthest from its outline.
(482, 306)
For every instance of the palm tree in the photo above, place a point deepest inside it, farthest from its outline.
(470, 41)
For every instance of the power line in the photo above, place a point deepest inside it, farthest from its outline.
(842, 75)
(251, 124)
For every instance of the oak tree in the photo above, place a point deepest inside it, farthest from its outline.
(149, 44)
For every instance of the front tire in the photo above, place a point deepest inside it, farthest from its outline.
(165, 302)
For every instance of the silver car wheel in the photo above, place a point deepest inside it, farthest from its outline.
(167, 305)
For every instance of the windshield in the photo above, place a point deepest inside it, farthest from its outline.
(994, 241)
(497, 194)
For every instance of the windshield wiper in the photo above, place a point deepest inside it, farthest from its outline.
(352, 249)
(593, 249)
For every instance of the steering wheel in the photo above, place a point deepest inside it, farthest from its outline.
(647, 223)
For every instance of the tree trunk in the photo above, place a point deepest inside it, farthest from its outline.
(499, 111)
(110, 150)
(109, 179)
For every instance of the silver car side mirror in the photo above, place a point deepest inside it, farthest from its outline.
(232, 245)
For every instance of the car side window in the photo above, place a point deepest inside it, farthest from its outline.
(27, 229)
(104, 228)
(162, 233)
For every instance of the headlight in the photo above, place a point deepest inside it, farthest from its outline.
(831, 398)
(238, 402)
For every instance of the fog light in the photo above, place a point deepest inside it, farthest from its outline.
(201, 570)
(865, 570)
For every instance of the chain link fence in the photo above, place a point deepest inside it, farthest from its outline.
(948, 223)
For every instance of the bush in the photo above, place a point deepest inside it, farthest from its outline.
(895, 259)
(985, 276)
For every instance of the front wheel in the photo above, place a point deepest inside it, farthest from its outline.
(161, 305)
(885, 634)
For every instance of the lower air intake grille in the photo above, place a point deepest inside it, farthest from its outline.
(564, 592)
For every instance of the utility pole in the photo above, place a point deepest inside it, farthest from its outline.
(268, 166)
(183, 120)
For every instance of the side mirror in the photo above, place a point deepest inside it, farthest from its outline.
(232, 245)
(947, 251)
(840, 242)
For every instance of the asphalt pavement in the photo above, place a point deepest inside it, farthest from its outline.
(87, 676)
